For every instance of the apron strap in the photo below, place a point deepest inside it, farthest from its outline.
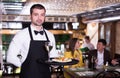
(30, 33)
(46, 36)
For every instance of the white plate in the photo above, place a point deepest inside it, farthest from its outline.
(59, 60)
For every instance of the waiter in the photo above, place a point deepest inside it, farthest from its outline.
(30, 44)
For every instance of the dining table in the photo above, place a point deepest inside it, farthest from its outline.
(83, 72)
(60, 65)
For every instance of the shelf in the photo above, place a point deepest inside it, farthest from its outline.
(8, 31)
(12, 31)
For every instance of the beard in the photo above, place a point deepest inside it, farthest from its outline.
(37, 23)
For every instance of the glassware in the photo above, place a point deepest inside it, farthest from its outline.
(1, 71)
(48, 47)
(106, 66)
(93, 62)
(86, 63)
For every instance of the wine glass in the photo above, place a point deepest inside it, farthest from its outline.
(1, 71)
(48, 47)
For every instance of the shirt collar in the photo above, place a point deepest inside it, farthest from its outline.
(100, 52)
(33, 28)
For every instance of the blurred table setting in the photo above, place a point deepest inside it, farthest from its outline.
(83, 72)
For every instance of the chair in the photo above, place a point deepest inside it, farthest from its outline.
(108, 74)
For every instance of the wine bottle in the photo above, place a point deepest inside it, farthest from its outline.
(92, 63)
(86, 63)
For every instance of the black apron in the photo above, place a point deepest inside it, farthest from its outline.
(34, 66)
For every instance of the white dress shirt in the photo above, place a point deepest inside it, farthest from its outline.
(100, 58)
(21, 42)
(89, 45)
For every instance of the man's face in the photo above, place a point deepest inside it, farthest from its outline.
(38, 17)
(87, 41)
(100, 46)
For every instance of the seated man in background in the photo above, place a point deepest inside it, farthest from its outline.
(87, 43)
(99, 56)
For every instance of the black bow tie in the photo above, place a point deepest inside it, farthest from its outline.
(36, 32)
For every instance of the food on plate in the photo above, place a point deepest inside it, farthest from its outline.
(62, 59)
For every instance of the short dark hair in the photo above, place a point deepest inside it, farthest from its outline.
(103, 41)
(37, 6)
(87, 37)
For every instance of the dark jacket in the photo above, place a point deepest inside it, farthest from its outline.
(93, 53)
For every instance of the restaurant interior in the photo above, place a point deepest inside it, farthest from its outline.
(66, 19)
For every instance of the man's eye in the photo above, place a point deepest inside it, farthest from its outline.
(42, 14)
(35, 14)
